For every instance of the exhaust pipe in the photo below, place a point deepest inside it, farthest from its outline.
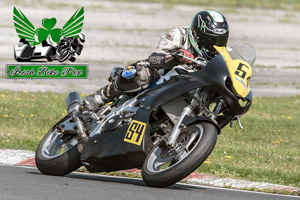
(73, 102)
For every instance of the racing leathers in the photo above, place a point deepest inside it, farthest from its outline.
(174, 40)
(141, 74)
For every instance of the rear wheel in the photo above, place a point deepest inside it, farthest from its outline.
(57, 153)
(165, 166)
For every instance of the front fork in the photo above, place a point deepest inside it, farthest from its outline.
(188, 111)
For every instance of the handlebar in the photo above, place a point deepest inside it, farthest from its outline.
(198, 62)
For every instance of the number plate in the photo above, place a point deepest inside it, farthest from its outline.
(135, 132)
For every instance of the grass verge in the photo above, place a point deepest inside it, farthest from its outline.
(267, 150)
(25, 117)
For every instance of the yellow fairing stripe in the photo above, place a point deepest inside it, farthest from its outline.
(240, 72)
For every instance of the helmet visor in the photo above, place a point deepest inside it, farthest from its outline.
(208, 40)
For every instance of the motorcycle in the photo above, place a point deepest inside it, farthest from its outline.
(64, 53)
(67, 49)
(168, 130)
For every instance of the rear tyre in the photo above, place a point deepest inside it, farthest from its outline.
(57, 154)
(165, 166)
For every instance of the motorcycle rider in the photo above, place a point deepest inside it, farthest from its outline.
(75, 42)
(208, 28)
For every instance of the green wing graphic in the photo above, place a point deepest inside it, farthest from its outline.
(24, 27)
(73, 27)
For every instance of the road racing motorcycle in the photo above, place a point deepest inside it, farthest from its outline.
(167, 130)
(65, 52)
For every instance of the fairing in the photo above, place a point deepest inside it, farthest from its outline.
(239, 69)
(116, 150)
(215, 77)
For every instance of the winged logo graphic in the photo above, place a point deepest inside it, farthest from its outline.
(35, 36)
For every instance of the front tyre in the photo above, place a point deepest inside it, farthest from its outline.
(64, 55)
(165, 166)
(57, 154)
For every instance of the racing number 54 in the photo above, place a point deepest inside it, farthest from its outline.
(135, 132)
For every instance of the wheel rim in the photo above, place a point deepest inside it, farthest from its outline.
(64, 55)
(163, 158)
(55, 145)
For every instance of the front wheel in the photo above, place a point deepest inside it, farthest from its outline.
(165, 166)
(57, 153)
(64, 55)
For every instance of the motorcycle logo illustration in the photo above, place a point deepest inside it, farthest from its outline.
(68, 40)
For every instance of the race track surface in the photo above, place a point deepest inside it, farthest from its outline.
(19, 183)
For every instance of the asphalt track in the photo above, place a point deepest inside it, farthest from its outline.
(23, 183)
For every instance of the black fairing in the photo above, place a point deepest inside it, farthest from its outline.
(170, 89)
(213, 78)
(217, 74)
(108, 151)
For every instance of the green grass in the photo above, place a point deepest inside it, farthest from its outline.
(267, 150)
(26, 117)
(275, 4)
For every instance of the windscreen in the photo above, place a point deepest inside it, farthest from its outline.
(243, 52)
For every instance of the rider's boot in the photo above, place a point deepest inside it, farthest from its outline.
(102, 96)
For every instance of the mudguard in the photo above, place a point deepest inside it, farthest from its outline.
(189, 120)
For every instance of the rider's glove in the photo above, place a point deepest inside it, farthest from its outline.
(162, 60)
(92, 102)
(185, 53)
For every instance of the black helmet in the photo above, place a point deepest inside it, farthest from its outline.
(81, 37)
(208, 28)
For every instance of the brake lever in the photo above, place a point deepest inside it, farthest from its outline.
(198, 62)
